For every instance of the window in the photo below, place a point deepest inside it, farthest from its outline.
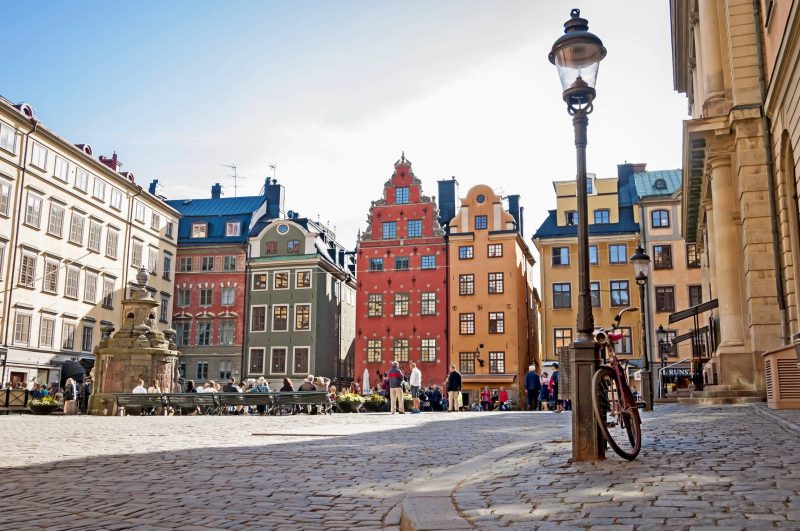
(206, 295)
(95, 234)
(401, 263)
(495, 250)
(624, 345)
(602, 216)
(496, 322)
(280, 318)
(466, 324)
(199, 230)
(376, 264)
(202, 370)
(428, 303)
(429, 261)
(302, 317)
(401, 349)
(5, 197)
(560, 256)
(401, 195)
(665, 299)
(258, 319)
(8, 138)
(228, 296)
(695, 295)
(589, 185)
(140, 211)
(660, 184)
(182, 331)
(401, 304)
(184, 264)
(562, 337)
(22, 328)
(281, 280)
(99, 189)
(659, 218)
(302, 279)
(466, 284)
(497, 362)
(184, 297)
(414, 229)
(2, 258)
(225, 369)
(50, 276)
(389, 230)
(301, 358)
(203, 333)
(260, 281)
(68, 336)
(116, 198)
(496, 283)
(163, 314)
(76, 228)
(72, 283)
(271, 248)
(82, 179)
(593, 256)
(152, 259)
(233, 228)
(39, 156)
(182, 369)
(155, 221)
(256, 364)
(662, 257)
(87, 336)
(620, 295)
(227, 328)
(481, 222)
(108, 296)
(374, 350)
(27, 270)
(55, 225)
(375, 305)
(562, 295)
(207, 263)
(617, 254)
(169, 228)
(428, 350)
(466, 362)
(229, 263)
(594, 291)
(692, 256)
(61, 171)
(136, 254)
(293, 246)
(571, 217)
(466, 252)
(33, 210)
(167, 266)
(90, 288)
(278, 365)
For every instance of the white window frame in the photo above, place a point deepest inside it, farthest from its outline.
(310, 278)
(29, 280)
(55, 221)
(155, 220)
(82, 179)
(50, 274)
(108, 293)
(33, 210)
(233, 229)
(73, 273)
(137, 253)
(275, 280)
(226, 260)
(139, 211)
(61, 169)
(307, 348)
(99, 189)
(95, 236)
(112, 243)
(197, 228)
(5, 197)
(84, 327)
(43, 343)
(232, 323)
(76, 224)
(8, 138)
(263, 359)
(68, 328)
(266, 282)
(2, 260)
(152, 260)
(232, 291)
(39, 155)
(210, 301)
(294, 318)
(183, 303)
(266, 317)
(285, 362)
(19, 319)
(116, 198)
(90, 287)
(272, 318)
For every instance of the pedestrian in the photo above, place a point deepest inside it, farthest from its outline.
(416, 383)
(554, 401)
(395, 379)
(533, 385)
(486, 399)
(502, 399)
(435, 397)
(70, 397)
(453, 389)
(86, 393)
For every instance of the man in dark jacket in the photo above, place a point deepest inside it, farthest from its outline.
(533, 384)
(395, 377)
(453, 388)
(230, 387)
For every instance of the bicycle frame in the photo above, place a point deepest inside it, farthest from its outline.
(614, 362)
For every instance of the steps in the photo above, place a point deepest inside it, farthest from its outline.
(724, 394)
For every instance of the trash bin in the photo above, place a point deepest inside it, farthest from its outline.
(564, 373)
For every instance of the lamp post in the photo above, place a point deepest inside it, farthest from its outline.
(661, 336)
(641, 269)
(577, 55)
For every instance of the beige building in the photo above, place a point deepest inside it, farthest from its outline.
(73, 232)
(736, 62)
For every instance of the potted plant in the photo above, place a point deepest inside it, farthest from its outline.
(407, 401)
(349, 402)
(43, 406)
(375, 403)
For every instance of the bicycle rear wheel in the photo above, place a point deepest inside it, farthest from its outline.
(616, 413)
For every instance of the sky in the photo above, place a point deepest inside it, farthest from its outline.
(332, 92)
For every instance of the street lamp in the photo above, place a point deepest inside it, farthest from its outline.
(577, 55)
(641, 269)
(663, 345)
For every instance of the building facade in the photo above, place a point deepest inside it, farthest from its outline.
(301, 303)
(210, 281)
(492, 303)
(74, 231)
(402, 283)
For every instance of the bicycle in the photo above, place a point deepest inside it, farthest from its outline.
(615, 409)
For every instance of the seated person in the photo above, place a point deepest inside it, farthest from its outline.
(308, 384)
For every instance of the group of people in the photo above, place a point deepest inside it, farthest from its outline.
(542, 391)
(74, 396)
(393, 384)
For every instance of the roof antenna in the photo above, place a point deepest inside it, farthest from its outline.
(274, 167)
(235, 176)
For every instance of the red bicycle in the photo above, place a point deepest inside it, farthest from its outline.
(612, 401)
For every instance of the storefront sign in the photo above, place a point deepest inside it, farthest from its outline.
(676, 372)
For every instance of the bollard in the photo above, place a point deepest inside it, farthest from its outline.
(587, 439)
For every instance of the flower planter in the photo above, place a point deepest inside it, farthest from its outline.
(349, 407)
(407, 404)
(375, 407)
(42, 409)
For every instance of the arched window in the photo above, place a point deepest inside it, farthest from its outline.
(660, 184)
(659, 218)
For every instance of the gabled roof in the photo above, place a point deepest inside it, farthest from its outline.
(646, 183)
(550, 228)
(225, 206)
(215, 213)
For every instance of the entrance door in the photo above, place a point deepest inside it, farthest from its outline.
(18, 378)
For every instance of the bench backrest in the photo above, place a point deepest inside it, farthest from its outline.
(139, 400)
(301, 398)
(191, 399)
(231, 399)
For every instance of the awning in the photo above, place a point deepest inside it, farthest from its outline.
(488, 378)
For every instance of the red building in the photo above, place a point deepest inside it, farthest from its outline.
(401, 301)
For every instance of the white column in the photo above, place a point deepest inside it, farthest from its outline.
(713, 86)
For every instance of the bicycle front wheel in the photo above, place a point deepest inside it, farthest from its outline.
(616, 413)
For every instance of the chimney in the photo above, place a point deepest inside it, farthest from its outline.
(112, 162)
(157, 189)
(448, 191)
(513, 209)
(216, 191)
(274, 194)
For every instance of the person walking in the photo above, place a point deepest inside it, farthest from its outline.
(486, 399)
(533, 385)
(453, 389)
(70, 397)
(544, 392)
(554, 401)
(416, 383)
(395, 378)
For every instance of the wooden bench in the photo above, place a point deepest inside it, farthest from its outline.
(127, 401)
(183, 403)
(301, 398)
(14, 400)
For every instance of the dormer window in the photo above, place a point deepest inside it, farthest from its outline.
(571, 217)
(401, 195)
(660, 184)
(199, 230)
(233, 228)
(589, 185)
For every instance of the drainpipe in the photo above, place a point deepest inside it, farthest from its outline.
(126, 259)
(14, 243)
(767, 127)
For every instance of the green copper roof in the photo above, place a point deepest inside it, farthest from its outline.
(657, 183)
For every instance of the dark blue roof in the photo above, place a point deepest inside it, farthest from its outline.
(215, 213)
(550, 228)
(217, 207)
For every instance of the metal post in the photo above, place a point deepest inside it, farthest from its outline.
(647, 384)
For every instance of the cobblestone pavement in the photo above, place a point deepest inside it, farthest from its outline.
(725, 466)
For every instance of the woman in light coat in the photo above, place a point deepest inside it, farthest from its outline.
(70, 397)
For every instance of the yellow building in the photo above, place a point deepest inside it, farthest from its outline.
(493, 304)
